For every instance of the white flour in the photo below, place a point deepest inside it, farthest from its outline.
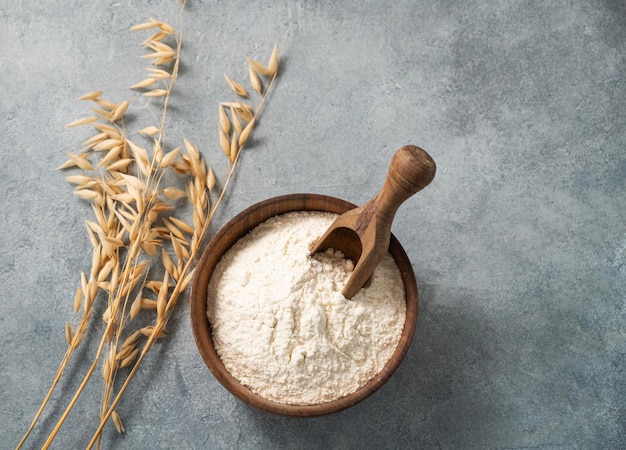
(281, 325)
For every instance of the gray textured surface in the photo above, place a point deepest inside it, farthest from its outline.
(519, 245)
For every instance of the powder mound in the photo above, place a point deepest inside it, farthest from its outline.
(280, 323)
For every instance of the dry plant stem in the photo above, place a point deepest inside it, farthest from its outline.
(257, 113)
(160, 324)
(135, 251)
(133, 256)
(75, 342)
(89, 373)
(140, 231)
(74, 399)
(157, 330)
(161, 131)
(104, 416)
(55, 381)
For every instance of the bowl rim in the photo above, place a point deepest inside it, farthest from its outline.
(238, 227)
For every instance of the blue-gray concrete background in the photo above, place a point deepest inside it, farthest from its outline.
(519, 245)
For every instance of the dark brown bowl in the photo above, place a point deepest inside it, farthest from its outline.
(238, 227)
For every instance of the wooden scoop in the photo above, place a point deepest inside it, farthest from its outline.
(362, 234)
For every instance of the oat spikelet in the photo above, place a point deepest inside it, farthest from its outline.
(106, 144)
(87, 194)
(174, 230)
(83, 121)
(245, 134)
(234, 148)
(117, 421)
(159, 74)
(181, 224)
(159, 46)
(150, 329)
(108, 129)
(146, 25)
(144, 83)
(148, 303)
(156, 93)
(255, 81)
(93, 95)
(159, 55)
(139, 152)
(135, 307)
(236, 121)
(244, 112)
(179, 251)
(111, 156)
(168, 264)
(166, 28)
(68, 333)
(76, 160)
(149, 131)
(173, 193)
(272, 65)
(169, 159)
(119, 165)
(78, 298)
(127, 360)
(78, 179)
(192, 150)
(131, 340)
(224, 143)
(162, 297)
(257, 67)
(224, 121)
(210, 179)
(119, 110)
(105, 104)
(123, 353)
(94, 140)
(236, 87)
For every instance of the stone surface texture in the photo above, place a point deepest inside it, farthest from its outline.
(519, 244)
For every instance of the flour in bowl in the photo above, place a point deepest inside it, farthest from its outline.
(280, 323)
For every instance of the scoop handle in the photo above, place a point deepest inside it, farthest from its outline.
(411, 170)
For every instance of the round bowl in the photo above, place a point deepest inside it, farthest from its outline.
(238, 227)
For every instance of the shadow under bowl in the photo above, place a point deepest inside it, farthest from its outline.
(238, 227)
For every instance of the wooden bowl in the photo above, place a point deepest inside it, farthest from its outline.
(238, 227)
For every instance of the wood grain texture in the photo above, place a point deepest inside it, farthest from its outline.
(363, 234)
(238, 227)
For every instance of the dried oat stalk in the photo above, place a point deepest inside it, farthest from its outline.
(237, 119)
(143, 254)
